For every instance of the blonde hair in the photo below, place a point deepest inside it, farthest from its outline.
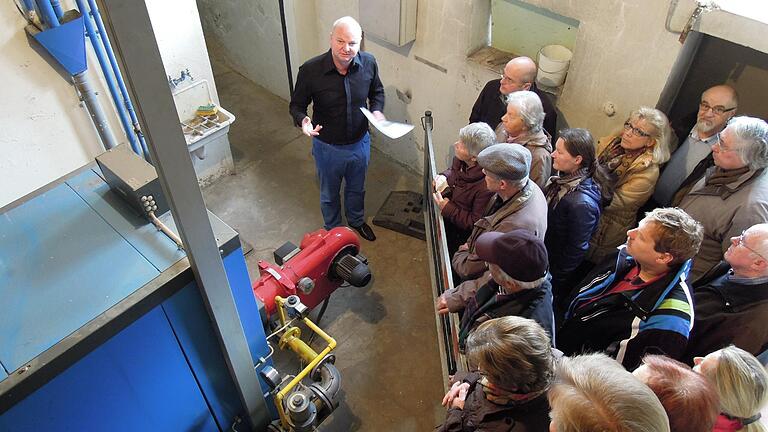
(662, 134)
(742, 384)
(593, 392)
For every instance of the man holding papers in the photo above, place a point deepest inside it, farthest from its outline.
(338, 83)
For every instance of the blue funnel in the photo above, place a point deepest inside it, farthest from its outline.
(66, 43)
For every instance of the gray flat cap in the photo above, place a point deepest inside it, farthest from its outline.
(506, 161)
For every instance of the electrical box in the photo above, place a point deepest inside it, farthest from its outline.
(391, 20)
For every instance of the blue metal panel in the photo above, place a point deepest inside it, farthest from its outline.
(240, 283)
(189, 319)
(61, 265)
(66, 43)
(137, 381)
(155, 246)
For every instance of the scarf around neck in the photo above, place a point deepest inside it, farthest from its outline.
(505, 397)
(558, 187)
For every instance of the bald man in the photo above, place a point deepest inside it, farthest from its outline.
(718, 104)
(732, 309)
(519, 74)
(338, 83)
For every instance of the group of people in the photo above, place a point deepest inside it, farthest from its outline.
(550, 233)
(560, 289)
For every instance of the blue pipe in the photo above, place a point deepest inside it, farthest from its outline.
(99, 50)
(29, 5)
(118, 76)
(46, 12)
(57, 8)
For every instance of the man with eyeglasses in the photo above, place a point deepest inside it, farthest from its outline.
(718, 104)
(732, 308)
(733, 194)
(519, 74)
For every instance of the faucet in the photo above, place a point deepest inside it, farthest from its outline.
(183, 75)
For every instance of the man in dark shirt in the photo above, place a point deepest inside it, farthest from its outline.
(519, 74)
(338, 83)
(731, 309)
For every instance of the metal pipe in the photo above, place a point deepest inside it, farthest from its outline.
(105, 68)
(57, 8)
(29, 5)
(88, 96)
(119, 77)
(47, 13)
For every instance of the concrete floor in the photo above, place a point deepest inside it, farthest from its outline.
(387, 353)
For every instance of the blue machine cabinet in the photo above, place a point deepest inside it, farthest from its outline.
(102, 326)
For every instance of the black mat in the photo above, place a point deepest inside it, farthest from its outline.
(402, 212)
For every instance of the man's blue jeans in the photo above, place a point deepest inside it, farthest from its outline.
(337, 163)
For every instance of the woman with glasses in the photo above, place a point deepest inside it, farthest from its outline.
(575, 200)
(631, 159)
(513, 366)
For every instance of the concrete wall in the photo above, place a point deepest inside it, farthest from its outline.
(45, 131)
(250, 37)
(622, 54)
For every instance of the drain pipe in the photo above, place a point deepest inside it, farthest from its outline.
(99, 50)
(57, 8)
(88, 96)
(119, 77)
(47, 13)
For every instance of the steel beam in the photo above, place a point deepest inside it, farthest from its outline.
(133, 39)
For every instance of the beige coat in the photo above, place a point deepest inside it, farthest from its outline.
(725, 214)
(540, 146)
(526, 210)
(632, 190)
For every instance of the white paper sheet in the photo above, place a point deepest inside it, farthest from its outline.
(391, 129)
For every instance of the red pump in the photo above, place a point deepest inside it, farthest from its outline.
(324, 260)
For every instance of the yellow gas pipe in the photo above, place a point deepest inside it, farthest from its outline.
(291, 338)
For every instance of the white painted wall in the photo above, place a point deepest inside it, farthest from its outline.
(250, 36)
(45, 132)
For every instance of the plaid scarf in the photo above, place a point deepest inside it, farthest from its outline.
(558, 187)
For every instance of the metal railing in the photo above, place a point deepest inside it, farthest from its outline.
(440, 262)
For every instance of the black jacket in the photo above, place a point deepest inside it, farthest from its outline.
(729, 311)
(490, 107)
(655, 319)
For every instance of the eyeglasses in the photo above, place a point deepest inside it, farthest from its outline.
(718, 109)
(740, 242)
(719, 146)
(635, 131)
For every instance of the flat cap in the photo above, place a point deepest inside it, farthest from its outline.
(519, 253)
(506, 161)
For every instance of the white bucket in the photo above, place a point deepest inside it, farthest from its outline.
(553, 65)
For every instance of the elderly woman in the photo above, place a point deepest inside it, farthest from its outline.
(575, 202)
(742, 385)
(508, 392)
(631, 159)
(733, 195)
(681, 392)
(523, 124)
(464, 200)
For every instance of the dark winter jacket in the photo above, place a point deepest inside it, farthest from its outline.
(570, 225)
(490, 106)
(480, 414)
(654, 319)
(491, 301)
(728, 311)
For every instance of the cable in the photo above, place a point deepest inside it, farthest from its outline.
(167, 231)
(319, 318)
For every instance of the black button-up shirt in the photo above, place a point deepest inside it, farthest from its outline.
(337, 98)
